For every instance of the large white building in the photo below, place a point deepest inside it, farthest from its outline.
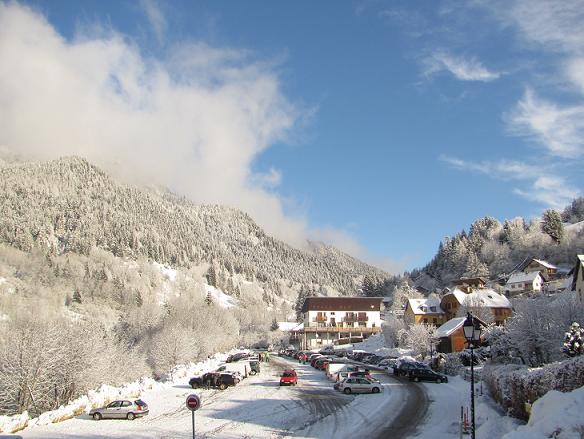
(328, 320)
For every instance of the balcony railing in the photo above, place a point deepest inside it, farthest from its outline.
(355, 318)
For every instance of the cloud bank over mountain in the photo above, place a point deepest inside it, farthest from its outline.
(193, 120)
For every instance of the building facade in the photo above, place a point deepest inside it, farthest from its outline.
(481, 298)
(327, 320)
(424, 311)
(548, 270)
(524, 283)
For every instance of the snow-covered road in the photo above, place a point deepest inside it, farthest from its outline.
(260, 408)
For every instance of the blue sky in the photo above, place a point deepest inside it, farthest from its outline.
(381, 127)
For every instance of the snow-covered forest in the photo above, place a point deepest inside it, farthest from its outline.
(491, 248)
(94, 272)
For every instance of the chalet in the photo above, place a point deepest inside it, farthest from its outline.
(578, 277)
(458, 299)
(521, 282)
(468, 284)
(532, 265)
(450, 336)
(327, 320)
(427, 311)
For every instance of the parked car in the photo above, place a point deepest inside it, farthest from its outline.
(359, 385)
(362, 374)
(318, 362)
(121, 409)
(427, 375)
(289, 377)
(220, 380)
(404, 367)
(387, 363)
(237, 357)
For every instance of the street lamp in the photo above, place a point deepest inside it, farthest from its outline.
(472, 333)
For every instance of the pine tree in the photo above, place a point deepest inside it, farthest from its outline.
(573, 341)
(212, 276)
(274, 326)
(76, 296)
(302, 295)
(209, 299)
(552, 225)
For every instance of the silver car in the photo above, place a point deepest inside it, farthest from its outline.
(121, 409)
(359, 385)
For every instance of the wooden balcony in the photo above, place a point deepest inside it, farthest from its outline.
(364, 330)
(320, 319)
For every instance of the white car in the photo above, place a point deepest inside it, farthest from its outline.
(359, 385)
(123, 409)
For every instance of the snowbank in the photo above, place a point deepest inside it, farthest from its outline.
(376, 345)
(557, 415)
(105, 394)
(512, 385)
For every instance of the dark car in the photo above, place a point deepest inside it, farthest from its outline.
(404, 368)
(237, 357)
(255, 367)
(427, 375)
(220, 380)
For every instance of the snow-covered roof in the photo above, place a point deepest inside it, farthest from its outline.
(544, 263)
(482, 297)
(448, 328)
(289, 326)
(425, 306)
(522, 277)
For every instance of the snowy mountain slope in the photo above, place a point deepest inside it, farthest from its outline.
(69, 205)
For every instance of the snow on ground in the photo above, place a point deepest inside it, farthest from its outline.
(256, 408)
(220, 298)
(170, 273)
(557, 415)
(443, 419)
(103, 395)
(376, 345)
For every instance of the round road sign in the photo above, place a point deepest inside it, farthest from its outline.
(193, 402)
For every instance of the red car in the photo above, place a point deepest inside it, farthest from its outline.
(289, 377)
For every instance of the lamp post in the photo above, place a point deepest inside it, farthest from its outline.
(472, 333)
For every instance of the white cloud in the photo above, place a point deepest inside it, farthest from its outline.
(549, 189)
(195, 130)
(504, 169)
(155, 17)
(559, 129)
(552, 24)
(194, 121)
(462, 69)
(557, 27)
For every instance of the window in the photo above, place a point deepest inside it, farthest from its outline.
(114, 404)
(126, 404)
(434, 320)
(425, 320)
(433, 308)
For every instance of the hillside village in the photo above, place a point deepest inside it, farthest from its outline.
(147, 297)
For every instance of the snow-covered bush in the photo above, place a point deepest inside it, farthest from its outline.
(556, 415)
(391, 331)
(512, 386)
(418, 338)
(453, 365)
(573, 340)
